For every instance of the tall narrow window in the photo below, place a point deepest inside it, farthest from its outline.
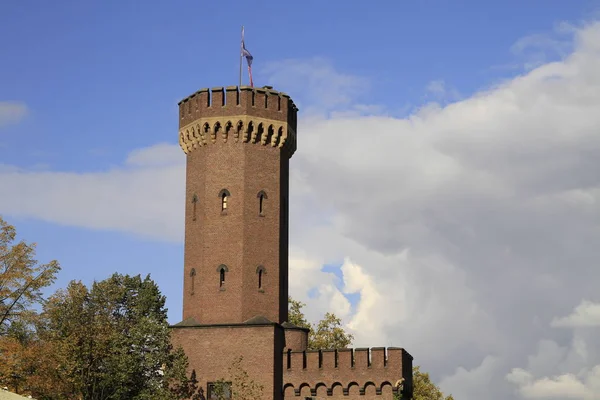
(224, 196)
(261, 272)
(262, 196)
(193, 279)
(223, 202)
(222, 270)
(194, 202)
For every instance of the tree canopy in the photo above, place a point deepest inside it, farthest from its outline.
(110, 341)
(21, 277)
(328, 333)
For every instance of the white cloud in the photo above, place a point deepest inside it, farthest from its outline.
(439, 90)
(12, 112)
(162, 154)
(471, 384)
(143, 197)
(317, 87)
(555, 371)
(586, 314)
(465, 228)
(566, 386)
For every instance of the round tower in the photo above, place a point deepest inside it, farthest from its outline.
(238, 142)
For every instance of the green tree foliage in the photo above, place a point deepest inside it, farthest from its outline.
(110, 341)
(21, 278)
(326, 334)
(424, 388)
(239, 385)
(295, 314)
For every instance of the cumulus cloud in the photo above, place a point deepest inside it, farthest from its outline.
(586, 314)
(462, 230)
(12, 112)
(567, 386)
(471, 384)
(555, 371)
(144, 196)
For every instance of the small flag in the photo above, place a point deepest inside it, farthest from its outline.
(249, 58)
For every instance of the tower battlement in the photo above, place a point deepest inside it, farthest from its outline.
(377, 369)
(242, 114)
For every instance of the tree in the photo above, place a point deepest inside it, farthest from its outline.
(239, 385)
(424, 388)
(21, 277)
(295, 314)
(109, 342)
(328, 333)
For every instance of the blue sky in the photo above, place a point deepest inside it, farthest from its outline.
(103, 78)
(92, 84)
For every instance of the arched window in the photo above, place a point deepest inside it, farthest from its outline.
(262, 196)
(222, 270)
(224, 196)
(261, 272)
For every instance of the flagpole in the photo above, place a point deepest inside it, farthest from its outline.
(241, 56)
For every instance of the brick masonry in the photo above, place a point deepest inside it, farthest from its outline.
(238, 142)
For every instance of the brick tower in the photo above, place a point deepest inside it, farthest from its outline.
(238, 142)
(238, 145)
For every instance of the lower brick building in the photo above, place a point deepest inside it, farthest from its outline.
(238, 142)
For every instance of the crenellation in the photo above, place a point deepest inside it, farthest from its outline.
(378, 357)
(362, 371)
(238, 100)
(260, 98)
(346, 358)
(361, 358)
(203, 100)
(232, 96)
(394, 357)
(313, 360)
(298, 360)
(329, 359)
(272, 100)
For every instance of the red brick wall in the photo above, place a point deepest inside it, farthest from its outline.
(296, 339)
(241, 239)
(354, 372)
(212, 349)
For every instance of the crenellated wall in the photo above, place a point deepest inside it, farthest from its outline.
(374, 373)
(242, 114)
